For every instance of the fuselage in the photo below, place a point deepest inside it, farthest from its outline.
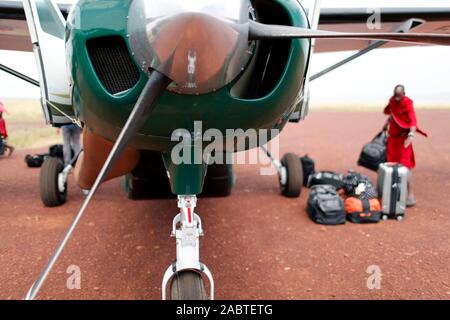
(107, 80)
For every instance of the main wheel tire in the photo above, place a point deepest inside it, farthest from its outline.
(147, 188)
(149, 179)
(294, 176)
(218, 181)
(51, 196)
(188, 285)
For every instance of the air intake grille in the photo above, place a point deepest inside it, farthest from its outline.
(113, 64)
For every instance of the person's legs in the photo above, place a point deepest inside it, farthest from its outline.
(66, 146)
(10, 148)
(411, 200)
(76, 146)
(407, 159)
(71, 143)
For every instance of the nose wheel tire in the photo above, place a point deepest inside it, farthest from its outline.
(292, 182)
(51, 195)
(187, 285)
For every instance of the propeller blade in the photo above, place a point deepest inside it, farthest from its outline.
(146, 103)
(259, 31)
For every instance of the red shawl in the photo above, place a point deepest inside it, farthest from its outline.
(403, 113)
(3, 132)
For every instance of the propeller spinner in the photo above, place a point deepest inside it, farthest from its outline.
(201, 45)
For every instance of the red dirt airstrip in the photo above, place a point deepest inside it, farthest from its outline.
(258, 244)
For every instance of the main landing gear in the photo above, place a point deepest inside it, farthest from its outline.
(290, 173)
(53, 181)
(186, 274)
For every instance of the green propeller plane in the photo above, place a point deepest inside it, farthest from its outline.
(130, 73)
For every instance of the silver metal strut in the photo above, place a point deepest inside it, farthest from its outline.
(187, 229)
(281, 170)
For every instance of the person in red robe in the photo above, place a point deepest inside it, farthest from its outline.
(3, 132)
(402, 128)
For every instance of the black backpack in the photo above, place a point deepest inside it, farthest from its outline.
(325, 206)
(326, 178)
(374, 153)
(309, 168)
(353, 180)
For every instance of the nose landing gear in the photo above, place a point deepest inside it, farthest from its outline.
(185, 275)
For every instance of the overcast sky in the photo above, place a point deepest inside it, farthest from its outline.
(424, 70)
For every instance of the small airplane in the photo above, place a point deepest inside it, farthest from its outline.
(132, 72)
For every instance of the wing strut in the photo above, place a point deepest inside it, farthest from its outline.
(407, 26)
(19, 75)
(146, 103)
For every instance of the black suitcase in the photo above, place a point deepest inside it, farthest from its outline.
(325, 206)
(309, 168)
(326, 178)
(374, 153)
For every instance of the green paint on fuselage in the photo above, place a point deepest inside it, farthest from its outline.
(105, 114)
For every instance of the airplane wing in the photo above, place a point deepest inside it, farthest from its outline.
(39, 26)
(430, 19)
(14, 34)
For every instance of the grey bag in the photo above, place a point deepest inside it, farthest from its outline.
(325, 206)
(393, 189)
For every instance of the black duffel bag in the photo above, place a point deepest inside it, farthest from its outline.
(309, 168)
(325, 206)
(35, 161)
(374, 153)
(359, 186)
(326, 178)
(56, 151)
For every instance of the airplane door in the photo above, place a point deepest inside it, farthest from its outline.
(47, 30)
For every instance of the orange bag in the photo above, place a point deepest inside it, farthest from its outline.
(363, 211)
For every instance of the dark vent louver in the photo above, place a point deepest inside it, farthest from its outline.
(113, 64)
